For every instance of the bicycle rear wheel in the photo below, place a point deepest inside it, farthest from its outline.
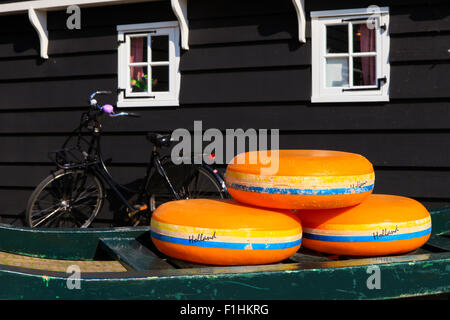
(189, 181)
(65, 199)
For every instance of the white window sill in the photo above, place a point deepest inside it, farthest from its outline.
(352, 98)
(147, 103)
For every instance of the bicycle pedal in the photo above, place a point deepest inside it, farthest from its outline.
(138, 208)
(141, 208)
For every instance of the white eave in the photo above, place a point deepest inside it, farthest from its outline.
(37, 13)
(300, 9)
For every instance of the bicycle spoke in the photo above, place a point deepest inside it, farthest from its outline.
(80, 188)
(78, 214)
(86, 194)
(54, 222)
(46, 217)
(69, 199)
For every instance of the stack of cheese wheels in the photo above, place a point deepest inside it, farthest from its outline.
(300, 179)
(224, 232)
(380, 225)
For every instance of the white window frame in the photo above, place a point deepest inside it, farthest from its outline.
(126, 98)
(319, 21)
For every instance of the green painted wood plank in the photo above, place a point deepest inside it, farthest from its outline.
(62, 244)
(301, 257)
(405, 276)
(185, 264)
(440, 220)
(439, 242)
(133, 255)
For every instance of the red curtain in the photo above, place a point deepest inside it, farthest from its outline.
(137, 55)
(367, 44)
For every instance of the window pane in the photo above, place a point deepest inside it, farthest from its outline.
(138, 79)
(160, 48)
(337, 72)
(138, 49)
(364, 39)
(364, 71)
(337, 39)
(160, 78)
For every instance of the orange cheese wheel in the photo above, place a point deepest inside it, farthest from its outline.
(380, 225)
(224, 232)
(300, 179)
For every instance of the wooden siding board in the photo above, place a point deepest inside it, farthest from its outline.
(104, 16)
(292, 84)
(282, 26)
(415, 149)
(350, 4)
(244, 29)
(13, 45)
(399, 115)
(14, 201)
(428, 47)
(393, 116)
(18, 23)
(43, 93)
(263, 54)
(18, 182)
(407, 182)
(413, 183)
(84, 40)
(72, 66)
(214, 63)
(29, 176)
(17, 45)
(414, 48)
(383, 149)
(420, 81)
(422, 18)
(201, 9)
(423, 185)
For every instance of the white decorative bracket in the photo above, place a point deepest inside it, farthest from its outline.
(38, 19)
(300, 8)
(179, 7)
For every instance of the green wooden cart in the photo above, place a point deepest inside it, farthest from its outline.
(121, 263)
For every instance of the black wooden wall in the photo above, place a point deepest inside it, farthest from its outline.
(245, 69)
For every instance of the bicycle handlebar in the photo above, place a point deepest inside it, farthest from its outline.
(99, 93)
(109, 109)
(126, 114)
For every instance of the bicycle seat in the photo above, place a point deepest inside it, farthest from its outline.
(159, 140)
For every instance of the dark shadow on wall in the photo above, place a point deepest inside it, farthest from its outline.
(22, 44)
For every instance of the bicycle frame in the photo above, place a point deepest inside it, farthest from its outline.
(97, 165)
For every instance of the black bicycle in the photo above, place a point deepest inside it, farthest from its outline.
(73, 195)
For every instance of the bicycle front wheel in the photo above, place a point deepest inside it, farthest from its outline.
(65, 199)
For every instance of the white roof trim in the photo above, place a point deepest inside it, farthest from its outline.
(179, 7)
(39, 21)
(300, 9)
(349, 12)
(37, 13)
(51, 5)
